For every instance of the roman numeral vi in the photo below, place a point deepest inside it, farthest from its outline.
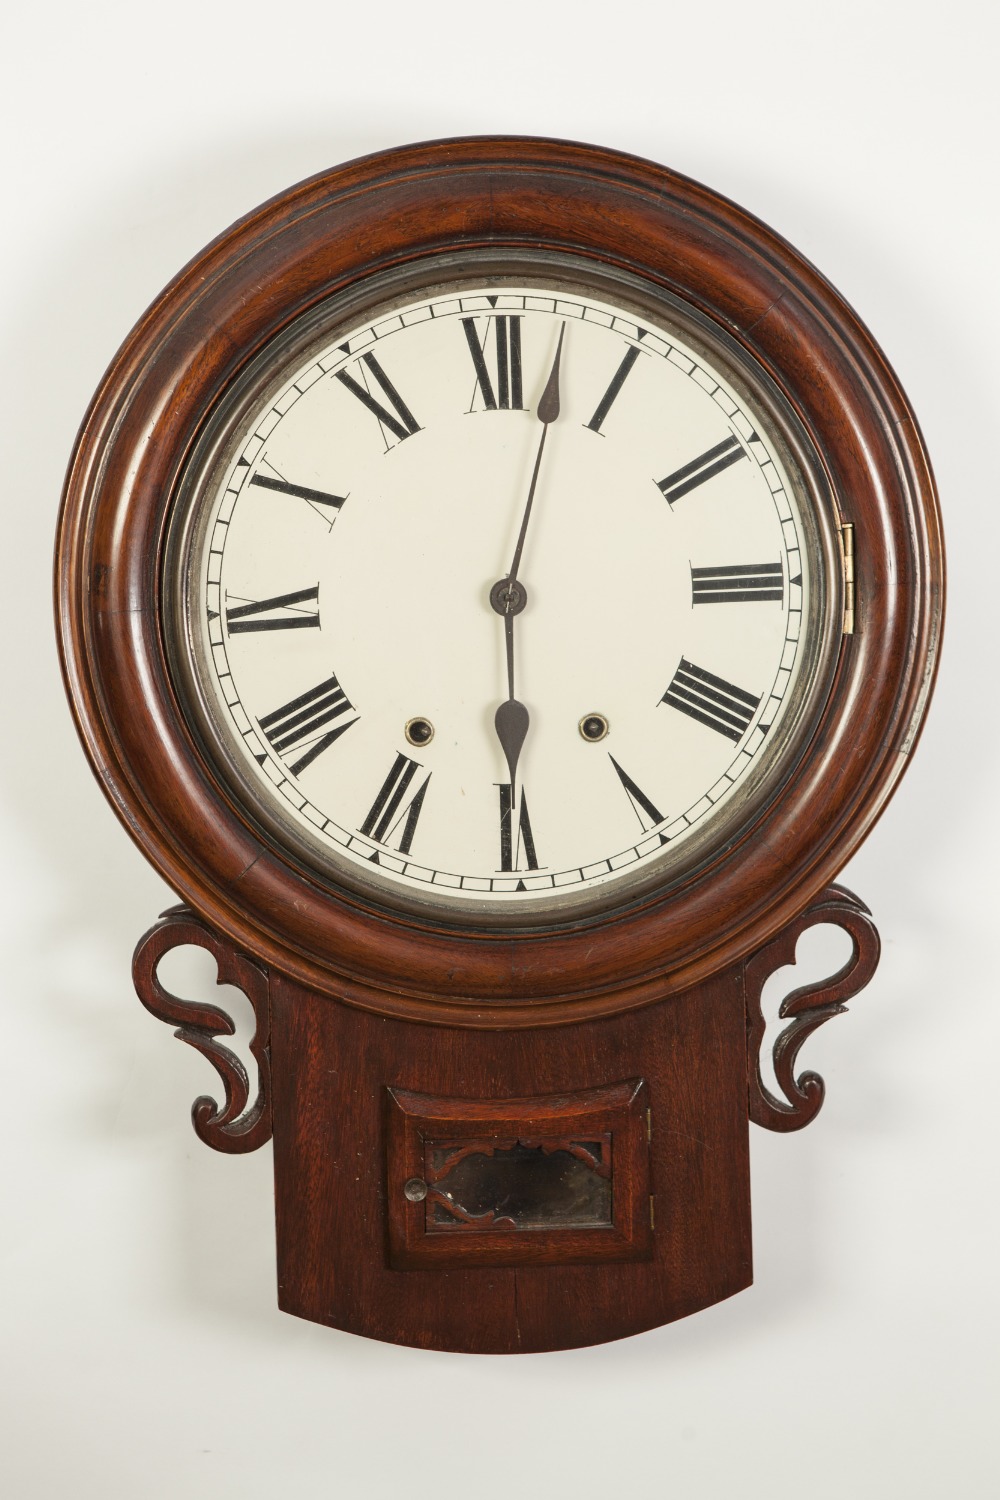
(514, 847)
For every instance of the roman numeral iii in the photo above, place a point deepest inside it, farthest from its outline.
(682, 481)
(505, 394)
(283, 612)
(296, 725)
(400, 421)
(711, 700)
(743, 583)
(392, 805)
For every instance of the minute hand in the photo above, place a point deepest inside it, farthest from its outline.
(548, 411)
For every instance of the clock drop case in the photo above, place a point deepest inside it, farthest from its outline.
(499, 585)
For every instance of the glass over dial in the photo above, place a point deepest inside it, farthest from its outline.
(505, 598)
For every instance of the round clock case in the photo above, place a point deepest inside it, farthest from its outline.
(318, 296)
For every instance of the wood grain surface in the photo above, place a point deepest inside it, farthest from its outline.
(333, 1065)
(356, 1104)
(328, 234)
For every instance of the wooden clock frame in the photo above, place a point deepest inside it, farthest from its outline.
(520, 1018)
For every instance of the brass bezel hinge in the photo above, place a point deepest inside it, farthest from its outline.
(847, 558)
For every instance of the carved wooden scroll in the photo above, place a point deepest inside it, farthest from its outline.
(806, 1008)
(237, 1125)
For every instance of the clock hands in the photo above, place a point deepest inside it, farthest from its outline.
(511, 720)
(508, 597)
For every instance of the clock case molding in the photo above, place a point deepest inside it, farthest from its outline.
(372, 1023)
(320, 238)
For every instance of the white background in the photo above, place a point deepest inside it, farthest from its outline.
(141, 1353)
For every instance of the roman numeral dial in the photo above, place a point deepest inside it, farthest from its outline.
(574, 621)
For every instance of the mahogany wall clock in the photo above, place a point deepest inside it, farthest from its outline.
(500, 584)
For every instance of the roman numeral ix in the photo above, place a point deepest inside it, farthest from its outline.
(711, 700)
(514, 848)
(682, 481)
(740, 584)
(400, 421)
(390, 806)
(297, 725)
(506, 395)
(283, 612)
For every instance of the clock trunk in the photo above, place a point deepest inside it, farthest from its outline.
(363, 1106)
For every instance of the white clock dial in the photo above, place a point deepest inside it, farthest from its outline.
(360, 610)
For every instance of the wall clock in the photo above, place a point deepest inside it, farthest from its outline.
(499, 585)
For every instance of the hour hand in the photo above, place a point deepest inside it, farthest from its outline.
(511, 720)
